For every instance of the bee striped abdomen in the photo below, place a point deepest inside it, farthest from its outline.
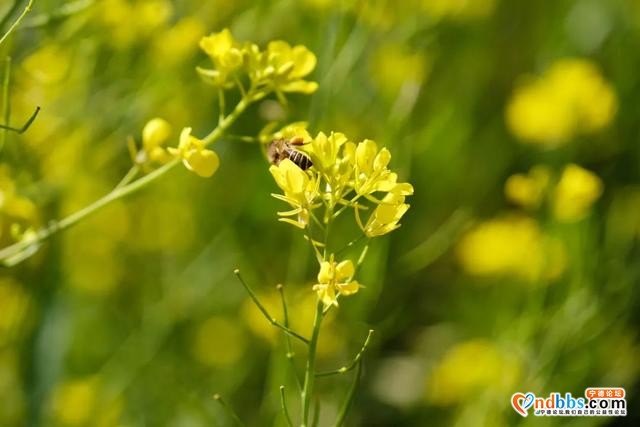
(299, 158)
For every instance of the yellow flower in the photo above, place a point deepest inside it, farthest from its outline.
(299, 191)
(227, 57)
(458, 9)
(282, 67)
(324, 151)
(385, 219)
(195, 156)
(528, 190)
(576, 191)
(407, 74)
(73, 402)
(154, 135)
(218, 342)
(371, 173)
(571, 98)
(335, 279)
(511, 246)
(471, 367)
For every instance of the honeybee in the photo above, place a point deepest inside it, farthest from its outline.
(281, 149)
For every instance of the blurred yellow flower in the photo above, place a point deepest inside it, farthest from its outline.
(513, 245)
(175, 45)
(458, 9)
(73, 403)
(218, 341)
(570, 98)
(227, 57)
(154, 135)
(130, 22)
(195, 156)
(528, 190)
(301, 307)
(575, 193)
(395, 69)
(282, 68)
(13, 206)
(335, 279)
(472, 367)
(49, 64)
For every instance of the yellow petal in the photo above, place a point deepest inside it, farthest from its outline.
(296, 179)
(365, 153)
(299, 86)
(326, 272)
(350, 288)
(155, 133)
(382, 159)
(304, 60)
(202, 162)
(344, 271)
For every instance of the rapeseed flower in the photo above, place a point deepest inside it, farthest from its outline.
(282, 68)
(195, 156)
(569, 99)
(575, 193)
(335, 279)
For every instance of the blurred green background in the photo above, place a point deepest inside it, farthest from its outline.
(516, 268)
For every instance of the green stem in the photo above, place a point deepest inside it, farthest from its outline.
(290, 353)
(118, 193)
(228, 409)
(6, 106)
(17, 22)
(129, 176)
(264, 311)
(309, 376)
(342, 415)
(354, 362)
(283, 403)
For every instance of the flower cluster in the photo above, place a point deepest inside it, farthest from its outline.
(344, 176)
(193, 152)
(279, 68)
(571, 98)
(570, 196)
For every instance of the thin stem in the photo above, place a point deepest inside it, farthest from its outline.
(26, 124)
(17, 22)
(309, 377)
(129, 176)
(54, 227)
(64, 11)
(264, 311)
(319, 256)
(290, 352)
(351, 202)
(353, 363)
(352, 243)
(228, 409)
(221, 106)
(342, 415)
(285, 411)
(6, 106)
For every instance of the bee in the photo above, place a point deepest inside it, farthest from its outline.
(281, 149)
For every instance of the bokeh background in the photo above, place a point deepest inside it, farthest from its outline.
(516, 268)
